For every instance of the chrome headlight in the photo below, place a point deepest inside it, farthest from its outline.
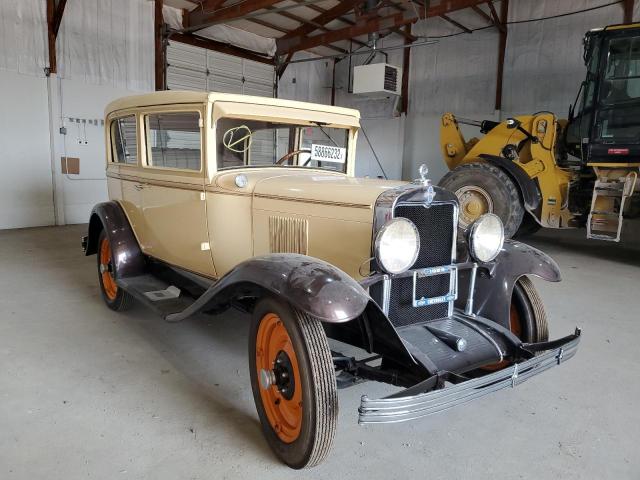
(397, 245)
(486, 237)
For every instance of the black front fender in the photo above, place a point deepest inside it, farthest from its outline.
(311, 285)
(124, 247)
(494, 284)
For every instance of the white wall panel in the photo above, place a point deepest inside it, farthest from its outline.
(76, 99)
(26, 194)
(23, 36)
(108, 42)
(307, 82)
(543, 64)
(105, 51)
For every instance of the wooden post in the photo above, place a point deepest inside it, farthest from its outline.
(51, 36)
(333, 83)
(628, 11)
(406, 66)
(54, 20)
(158, 26)
(502, 47)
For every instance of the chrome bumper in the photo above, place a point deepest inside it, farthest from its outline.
(397, 408)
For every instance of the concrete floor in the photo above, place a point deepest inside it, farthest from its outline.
(89, 393)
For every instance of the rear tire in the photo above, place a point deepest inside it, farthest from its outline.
(293, 382)
(484, 188)
(114, 296)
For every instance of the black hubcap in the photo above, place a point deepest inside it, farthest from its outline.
(283, 371)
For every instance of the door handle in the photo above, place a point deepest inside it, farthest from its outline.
(138, 186)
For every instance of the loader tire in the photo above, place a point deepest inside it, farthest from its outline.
(484, 188)
(528, 227)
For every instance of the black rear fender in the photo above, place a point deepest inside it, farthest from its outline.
(110, 217)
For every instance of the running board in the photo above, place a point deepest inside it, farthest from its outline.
(165, 299)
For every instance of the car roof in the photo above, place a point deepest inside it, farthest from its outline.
(171, 97)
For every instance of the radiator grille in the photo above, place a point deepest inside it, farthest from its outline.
(436, 226)
(288, 235)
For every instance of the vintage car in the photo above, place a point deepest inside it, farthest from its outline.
(221, 200)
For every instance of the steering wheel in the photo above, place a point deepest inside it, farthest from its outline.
(289, 155)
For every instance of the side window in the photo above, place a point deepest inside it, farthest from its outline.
(124, 140)
(173, 140)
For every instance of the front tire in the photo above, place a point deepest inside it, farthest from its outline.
(293, 383)
(484, 188)
(528, 318)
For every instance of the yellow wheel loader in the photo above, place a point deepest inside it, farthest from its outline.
(539, 171)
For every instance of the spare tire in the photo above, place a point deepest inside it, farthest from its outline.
(484, 188)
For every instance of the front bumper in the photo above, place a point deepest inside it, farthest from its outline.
(409, 404)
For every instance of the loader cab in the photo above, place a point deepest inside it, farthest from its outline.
(604, 122)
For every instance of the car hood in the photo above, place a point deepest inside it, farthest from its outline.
(320, 187)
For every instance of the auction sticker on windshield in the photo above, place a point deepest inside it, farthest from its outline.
(327, 153)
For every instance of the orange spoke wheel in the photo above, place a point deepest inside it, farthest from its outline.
(105, 267)
(293, 382)
(279, 372)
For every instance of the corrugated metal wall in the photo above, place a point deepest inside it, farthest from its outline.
(194, 68)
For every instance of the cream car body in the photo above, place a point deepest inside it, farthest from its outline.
(277, 208)
(220, 201)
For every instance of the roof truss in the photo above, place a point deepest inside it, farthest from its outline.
(387, 16)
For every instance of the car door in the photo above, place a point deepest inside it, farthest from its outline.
(125, 176)
(173, 198)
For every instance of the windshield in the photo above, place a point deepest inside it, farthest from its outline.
(620, 89)
(242, 143)
(621, 82)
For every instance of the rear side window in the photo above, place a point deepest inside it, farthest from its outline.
(173, 140)
(125, 141)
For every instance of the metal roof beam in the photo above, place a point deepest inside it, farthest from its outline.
(364, 26)
(456, 24)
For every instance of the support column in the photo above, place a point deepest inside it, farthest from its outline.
(502, 47)
(51, 36)
(406, 68)
(159, 45)
(628, 11)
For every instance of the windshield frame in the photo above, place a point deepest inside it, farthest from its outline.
(281, 115)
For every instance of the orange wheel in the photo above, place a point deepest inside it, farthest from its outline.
(115, 298)
(293, 382)
(279, 376)
(515, 322)
(106, 269)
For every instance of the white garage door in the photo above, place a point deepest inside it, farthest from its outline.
(194, 68)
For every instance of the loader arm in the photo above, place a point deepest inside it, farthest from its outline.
(452, 143)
